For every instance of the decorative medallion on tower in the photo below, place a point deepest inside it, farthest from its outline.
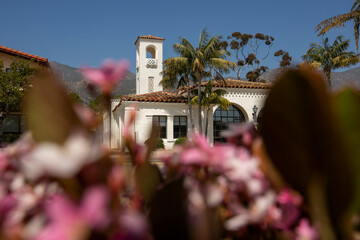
(149, 58)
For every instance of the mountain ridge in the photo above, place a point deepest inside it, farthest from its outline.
(73, 81)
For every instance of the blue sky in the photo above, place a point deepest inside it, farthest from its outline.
(78, 32)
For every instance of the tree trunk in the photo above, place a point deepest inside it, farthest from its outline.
(328, 76)
(190, 107)
(207, 121)
(199, 103)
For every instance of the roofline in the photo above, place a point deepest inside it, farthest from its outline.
(122, 98)
(24, 55)
(149, 37)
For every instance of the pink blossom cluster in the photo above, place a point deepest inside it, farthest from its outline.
(76, 190)
(229, 177)
(70, 191)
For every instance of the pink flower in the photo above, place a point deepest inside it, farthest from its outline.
(3, 161)
(71, 222)
(287, 196)
(305, 232)
(7, 203)
(134, 225)
(61, 160)
(289, 203)
(108, 75)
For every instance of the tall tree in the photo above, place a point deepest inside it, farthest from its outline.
(203, 60)
(329, 57)
(249, 51)
(177, 74)
(210, 97)
(75, 98)
(14, 84)
(340, 20)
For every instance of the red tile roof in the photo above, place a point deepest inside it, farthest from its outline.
(161, 96)
(22, 54)
(233, 83)
(168, 97)
(148, 37)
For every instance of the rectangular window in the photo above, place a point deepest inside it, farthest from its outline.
(151, 84)
(180, 126)
(161, 122)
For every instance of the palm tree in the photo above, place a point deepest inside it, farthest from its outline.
(340, 20)
(201, 61)
(209, 98)
(331, 57)
(177, 75)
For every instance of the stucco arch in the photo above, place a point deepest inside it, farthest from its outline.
(239, 107)
(150, 51)
(222, 119)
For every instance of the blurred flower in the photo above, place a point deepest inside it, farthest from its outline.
(108, 75)
(61, 161)
(305, 232)
(116, 179)
(289, 203)
(286, 196)
(86, 115)
(3, 161)
(71, 222)
(254, 214)
(240, 134)
(134, 225)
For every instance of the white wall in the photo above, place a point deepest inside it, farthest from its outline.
(244, 99)
(143, 71)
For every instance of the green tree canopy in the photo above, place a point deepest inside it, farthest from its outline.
(205, 60)
(250, 51)
(340, 20)
(75, 98)
(210, 97)
(14, 84)
(329, 57)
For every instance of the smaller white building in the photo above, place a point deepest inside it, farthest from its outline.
(169, 110)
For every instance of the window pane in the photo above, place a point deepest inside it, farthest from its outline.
(160, 121)
(223, 118)
(176, 120)
(180, 126)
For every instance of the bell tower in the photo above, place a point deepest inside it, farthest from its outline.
(149, 59)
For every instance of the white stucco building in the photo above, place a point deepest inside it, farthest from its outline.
(170, 110)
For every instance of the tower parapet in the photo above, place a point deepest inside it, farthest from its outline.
(149, 67)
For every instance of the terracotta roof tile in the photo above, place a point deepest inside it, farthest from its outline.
(148, 37)
(161, 96)
(233, 83)
(22, 54)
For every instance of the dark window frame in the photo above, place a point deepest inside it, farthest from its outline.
(222, 119)
(161, 122)
(179, 129)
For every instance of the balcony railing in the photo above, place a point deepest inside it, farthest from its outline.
(151, 62)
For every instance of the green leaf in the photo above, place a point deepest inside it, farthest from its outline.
(148, 179)
(347, 106)
(168, 215)
(51, 116)
(303, 140)
(148, 176)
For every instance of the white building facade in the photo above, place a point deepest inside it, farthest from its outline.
(169, 110)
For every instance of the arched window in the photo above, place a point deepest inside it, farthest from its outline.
(150, 52)
(223, 118)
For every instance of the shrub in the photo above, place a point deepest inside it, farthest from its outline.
(180, 141)
(160, 143)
